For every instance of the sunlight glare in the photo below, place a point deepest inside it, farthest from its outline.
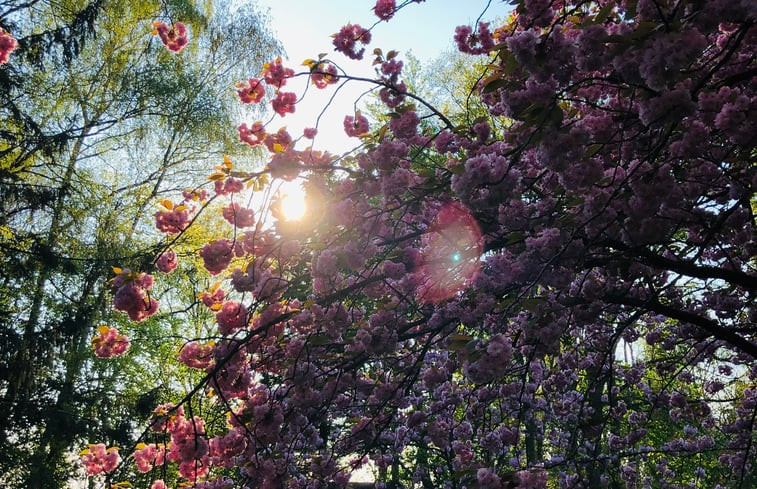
(293, 205)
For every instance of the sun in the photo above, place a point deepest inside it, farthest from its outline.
(293, 205)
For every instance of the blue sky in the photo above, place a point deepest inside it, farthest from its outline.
(305, 26)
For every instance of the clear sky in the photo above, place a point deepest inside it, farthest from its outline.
(305, 26)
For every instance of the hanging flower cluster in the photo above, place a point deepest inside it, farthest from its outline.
(8, 44)
(174, 38)
(109, 343)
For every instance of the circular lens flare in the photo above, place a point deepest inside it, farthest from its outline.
(450, 255)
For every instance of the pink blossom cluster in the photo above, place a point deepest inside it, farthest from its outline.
(275, 74)
(384, 9)
(131, 294)
(110, 343)
(189, 444)
(251, 92)
(356, 126)
(260, 279)
(98, 460)
(174, 38)
(149, 456)
(323, 75)
(252, 135)
(173, 219)
(228, 186)
(239, 216)
(217, 255)
(480, 42)
(167, 261)
(405, 127)
(233, 377)
(284, 103)
(279, 141)
(8, 44)
(214, 297)
(231, 317)
(195, 195)
(347, 38)
(393, 91)
(197, 355)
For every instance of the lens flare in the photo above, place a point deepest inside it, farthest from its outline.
(451, 254)
(293, 205)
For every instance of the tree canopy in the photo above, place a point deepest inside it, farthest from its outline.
(98, 120)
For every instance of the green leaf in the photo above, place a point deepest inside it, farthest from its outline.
(320, 340)
(457, 169)
(592, 150)
(494, 85)
(643, 29)
(459, 342)
(603, 14)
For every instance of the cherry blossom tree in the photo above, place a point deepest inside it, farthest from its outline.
(557, 294)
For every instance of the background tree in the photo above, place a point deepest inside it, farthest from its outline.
(99, 122)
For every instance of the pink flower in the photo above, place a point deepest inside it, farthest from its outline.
(278, 141)
(474, 43)
(275, 74)
(251, 92)
(174, 38)
(356, 126)
(384, 9)
(214, 298)
(239, 216)
(173, 219)
(252, 135)
(197, 355)
(148, 456)
(195, 195)
(229, 186)
(310, 132)
(166, 417)
(193, 469)
(217, 255)
(405, 126)
(348, 36)
(109, 343)
(8, 44)
(131, 295)
(231, 318)
(133, 300)
(394, 96)
(159, 484)
(284, 103)
(323, 75)
(167, 261)
(98, 460)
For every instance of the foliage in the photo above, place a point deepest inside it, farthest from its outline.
(96, 122)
